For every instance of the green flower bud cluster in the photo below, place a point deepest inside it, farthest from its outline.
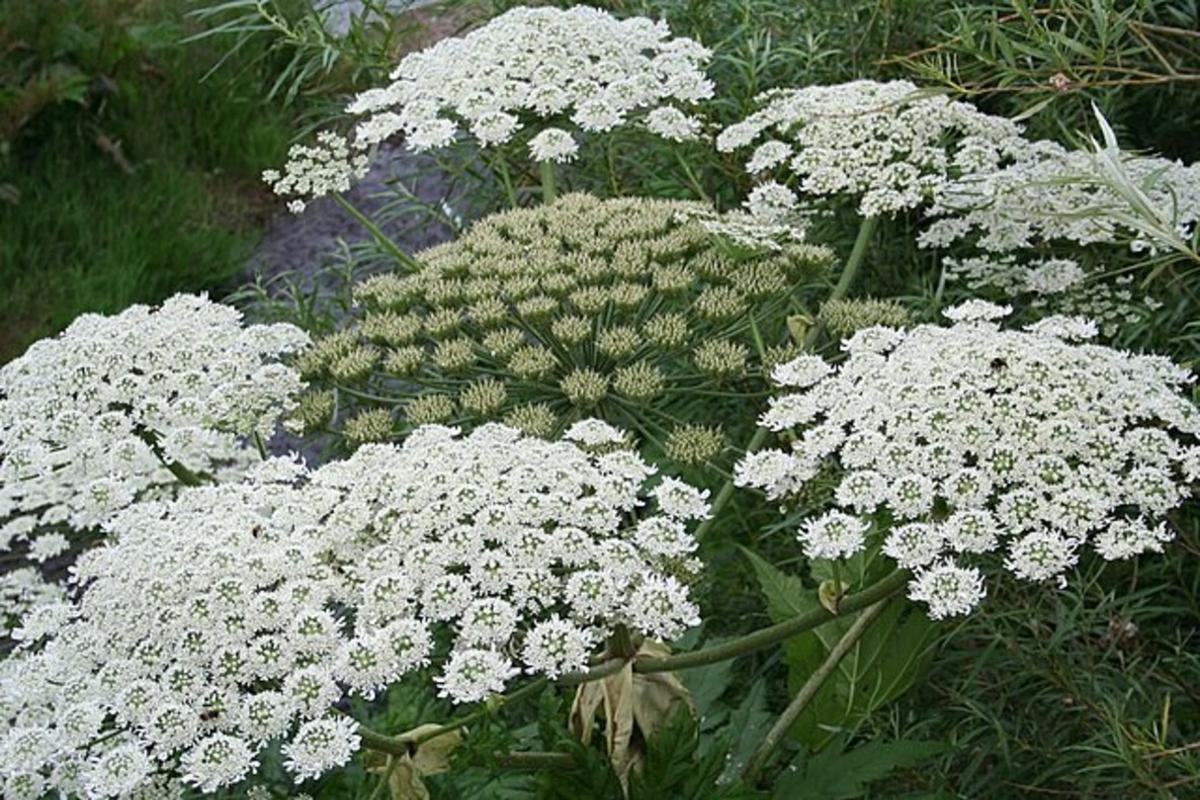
(841, 318)
(627, 309)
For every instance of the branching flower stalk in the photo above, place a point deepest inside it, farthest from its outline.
(406, 261)
(877, 593)
(549, 181)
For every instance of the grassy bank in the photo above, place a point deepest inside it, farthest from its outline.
(126, 174)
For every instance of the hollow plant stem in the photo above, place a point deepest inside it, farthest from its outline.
(399, 745)
(181, 473)
(377, 233)
(809, 690)
(549, 182)
(506, 179)
(850, 270)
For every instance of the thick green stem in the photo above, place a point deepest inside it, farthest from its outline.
(506, 179)
(767, 637)
(809, 691)
(850, 271)
(621, 644)
(866, 229)
(407, 261)
(185, 475)
(181, 473)
(549, 182)
(692, 182)
(392, 745)
(398, 745)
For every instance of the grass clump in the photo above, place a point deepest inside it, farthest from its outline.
(125, 176)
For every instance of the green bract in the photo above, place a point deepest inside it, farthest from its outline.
(624, 309)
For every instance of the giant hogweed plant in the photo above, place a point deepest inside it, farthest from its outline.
(274, 598)
(523, 535)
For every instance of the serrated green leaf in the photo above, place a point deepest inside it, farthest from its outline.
(747, 725)
(837, 775)
(707, 684)
(786, 594)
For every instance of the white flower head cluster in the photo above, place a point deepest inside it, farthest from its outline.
(315, 170)
(23, 589)
(91, 419)
(578, 68)
(750, 229)
(1047, 194)
(236, 615)
(1060, 285)
(956, 442)
(886, 144)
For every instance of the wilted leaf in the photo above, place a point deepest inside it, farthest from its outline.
(798, 326)
(406, 773)
(634, 707)
(830, 594)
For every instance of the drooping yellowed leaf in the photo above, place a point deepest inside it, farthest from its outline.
(618, 711)
(433, 756)
(798, 326)
(633, 706)
(589, 699)
(406, 773)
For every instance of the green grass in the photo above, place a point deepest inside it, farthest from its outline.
(87, 237)
(142, 187)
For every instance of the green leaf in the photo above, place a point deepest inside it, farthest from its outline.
(707, 684)
(786, 595)
(842, 775)
(748, 724)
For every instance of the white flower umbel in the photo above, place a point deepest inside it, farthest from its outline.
(316, 170)
(1061, 285)
(956, 442)
(236, 615)
(579, 67)
(885, 144)
(555, 145)
(1046, 195)
(91, 419)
